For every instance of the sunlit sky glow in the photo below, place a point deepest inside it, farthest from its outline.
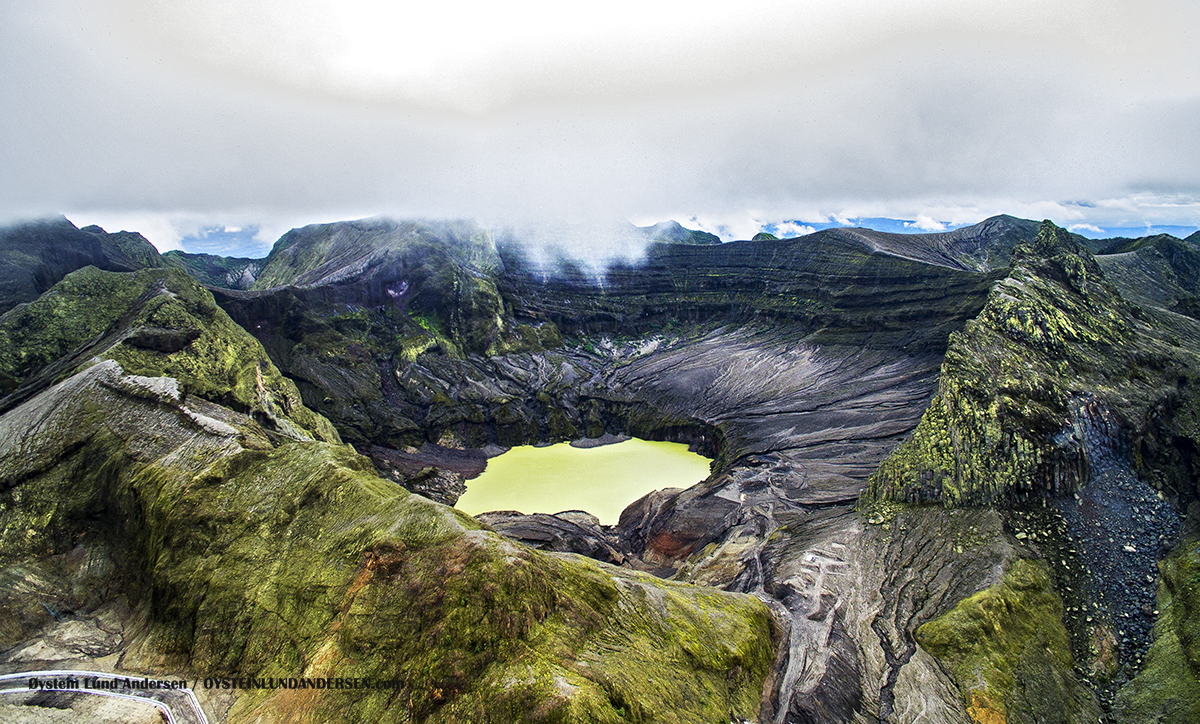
(171, 118)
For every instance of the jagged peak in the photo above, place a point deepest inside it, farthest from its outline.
(672, 232)
(1052, 238)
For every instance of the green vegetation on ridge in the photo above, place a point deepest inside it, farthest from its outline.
(1053, 334)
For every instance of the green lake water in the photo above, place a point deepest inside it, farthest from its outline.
(601, 480)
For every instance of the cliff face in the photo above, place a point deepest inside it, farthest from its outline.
(1054, 335)
(951, 465)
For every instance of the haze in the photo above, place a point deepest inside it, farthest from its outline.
(267, 115)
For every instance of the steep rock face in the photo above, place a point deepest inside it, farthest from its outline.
(217, 271)
(1060, 394)
(1006, 421)
(247, 557)
(823, 281)
(35, 255)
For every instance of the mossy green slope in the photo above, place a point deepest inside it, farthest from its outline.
(1008, 652)
(1167, 690)
(442, 272)
(34, 255)
(257, 559)
(1053, 334)
(155, 322)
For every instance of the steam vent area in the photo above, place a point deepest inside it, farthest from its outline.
(946, 478)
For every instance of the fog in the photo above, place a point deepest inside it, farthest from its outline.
(141, 115)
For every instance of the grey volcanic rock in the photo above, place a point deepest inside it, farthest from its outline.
(570, 532)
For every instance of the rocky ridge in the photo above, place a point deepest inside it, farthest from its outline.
(35, 255)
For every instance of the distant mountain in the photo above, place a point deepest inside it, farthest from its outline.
(35, 255)
(985, 246)
(227, 272)
(672, 232)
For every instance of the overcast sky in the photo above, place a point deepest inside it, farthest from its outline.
(167, 117)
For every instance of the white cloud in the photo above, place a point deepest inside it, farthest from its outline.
(481, 57)
(275, 114)
(1078, 228)
(925, 223)
(790, 229)
(730, 227)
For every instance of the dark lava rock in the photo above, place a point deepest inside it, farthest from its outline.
(568, 532)
(163, 340)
